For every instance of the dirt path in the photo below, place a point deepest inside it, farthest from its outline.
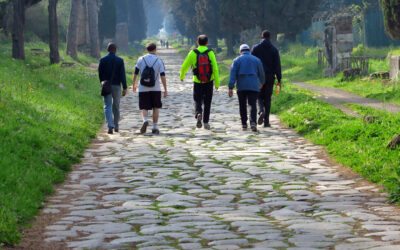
(192, 188)
(337, 97)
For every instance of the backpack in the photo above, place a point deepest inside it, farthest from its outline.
(148, 76)
(203, 69)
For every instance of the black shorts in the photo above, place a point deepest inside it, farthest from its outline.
(150, 100)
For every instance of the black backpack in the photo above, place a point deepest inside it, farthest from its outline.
(148, 76)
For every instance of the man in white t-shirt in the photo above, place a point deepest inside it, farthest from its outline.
(150, 97)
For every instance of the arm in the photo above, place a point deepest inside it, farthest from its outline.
(186, 65)
(164, 83)
(135, 77)
(233, 77)
(278, 68)
(100, 69)
(123, 78)
(215, 69)
(261, 73)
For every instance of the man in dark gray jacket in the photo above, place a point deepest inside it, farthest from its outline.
(111, 101)
(269, 56)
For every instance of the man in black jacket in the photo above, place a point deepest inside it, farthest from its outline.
(106, 68)
(269, 56)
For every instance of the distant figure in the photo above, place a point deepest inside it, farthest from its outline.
(112, 68)
(205, 72)
(269, 56)
(167, 44)
(152, 69)
(248, 74)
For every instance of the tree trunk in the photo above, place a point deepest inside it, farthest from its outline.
(93, 13)
(18, 37)
(72, 36)
(53, 28)
(229, 45)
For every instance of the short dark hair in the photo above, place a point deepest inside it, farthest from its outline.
(151, 47)
(203, 40)
(111, 47)
(266, 34)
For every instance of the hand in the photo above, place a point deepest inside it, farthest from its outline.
(216, 89)
(134, 88)
(261, 85)
(182, 80)
(165, 94)
(124, 92)
(230, 93)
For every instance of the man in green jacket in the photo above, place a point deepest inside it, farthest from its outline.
(205, 74)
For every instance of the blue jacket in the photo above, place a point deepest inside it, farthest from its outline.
(269, 56)
(247, 71)
(106, 68)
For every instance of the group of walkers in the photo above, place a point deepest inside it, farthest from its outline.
(164, 44)
(253, 73)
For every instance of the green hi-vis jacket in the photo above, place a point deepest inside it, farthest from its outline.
(191, 61)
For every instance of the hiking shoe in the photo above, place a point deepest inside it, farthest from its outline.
(199, 118)
(244, 127)
(254, 128)
(110, 131)
(116, 130)
(155, 131)
(144, 127)
(207, 126)
(261, 118)
(267, 125)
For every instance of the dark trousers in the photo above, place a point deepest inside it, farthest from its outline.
(264, 98)
(249, 97)
(202, 94)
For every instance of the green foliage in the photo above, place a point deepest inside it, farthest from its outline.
(391, 14)
(348, 140)
(44, 130)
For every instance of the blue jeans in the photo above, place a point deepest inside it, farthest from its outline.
(111, 107)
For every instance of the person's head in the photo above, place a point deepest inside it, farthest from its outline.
(202, 40)
(244, 47)
(151, 48)
(112, 48)
(266, 34)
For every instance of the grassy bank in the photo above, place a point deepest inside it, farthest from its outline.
(48, 116)
(349, 140)
(301, 64)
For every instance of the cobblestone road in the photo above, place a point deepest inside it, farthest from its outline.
(190, 188)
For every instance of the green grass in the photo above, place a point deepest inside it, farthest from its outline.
(44, 129)
(300, 63)
(348, 140)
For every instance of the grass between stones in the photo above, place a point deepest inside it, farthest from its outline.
(349, 140)
(48, 116)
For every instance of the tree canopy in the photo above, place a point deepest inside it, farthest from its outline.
(391, 14)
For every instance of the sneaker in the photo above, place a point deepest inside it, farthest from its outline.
(144, 127)
(261, 118)
(207, 126)
(155, 131)
(199, 118)
(244, 127)
(110, 131)
(254, 128)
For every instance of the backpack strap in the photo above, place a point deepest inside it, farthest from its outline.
(155, 62)
(145, 62)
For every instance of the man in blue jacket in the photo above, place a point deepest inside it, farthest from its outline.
(106, 68)
(269, 56)
(248, 74)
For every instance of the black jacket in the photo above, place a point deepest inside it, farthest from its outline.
(269, 56)
(106, 68)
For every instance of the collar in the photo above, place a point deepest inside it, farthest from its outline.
(246, 53)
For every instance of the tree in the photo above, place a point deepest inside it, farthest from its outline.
(154, 16)
(137, 25)
(18, 30)
(184, 12)
(391, 14)
(53, 30)
(208, 19)
(72, 35)
(93, 16)
(107, 19)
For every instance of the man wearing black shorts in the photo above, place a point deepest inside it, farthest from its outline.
(150, 97)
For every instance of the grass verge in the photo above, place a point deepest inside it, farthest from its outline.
(348, 140)
(48, 116)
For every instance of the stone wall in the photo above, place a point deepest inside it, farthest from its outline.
(122, 36)
(394, 67)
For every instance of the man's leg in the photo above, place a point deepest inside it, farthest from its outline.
(243, 107)
(108, 112)
(208, 95)
(252, 100)
(268, 97)
(261, 103)
(145, 116)
(116, 95)
(198, 100)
